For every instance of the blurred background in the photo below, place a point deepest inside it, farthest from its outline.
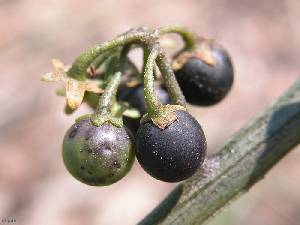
(35, 188)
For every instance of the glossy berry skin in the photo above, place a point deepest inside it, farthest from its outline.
(172, 154)
(136, 98)
(97, 156)
(204, 84)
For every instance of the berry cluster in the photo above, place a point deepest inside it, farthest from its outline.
(143, 116)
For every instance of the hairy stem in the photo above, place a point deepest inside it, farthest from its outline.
(103, 112)
(151, 98)
(144, 38)
(189, 37)
(79, 67)
(146, 53)
(98, 61)
(238, 165)
(164, 66)
(170, 80)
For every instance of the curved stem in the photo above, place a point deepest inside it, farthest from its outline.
(103, 112)
(124, 59)
(98, 61)
(146, 53)
(79, 67)
(152, 101)
(106, 99)
(161, 115)
(170, 80)
(189, 37)
(124, 52)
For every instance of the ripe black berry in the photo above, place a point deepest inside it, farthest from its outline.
(172, 154)
(204, 84)
(97, 155)
(136, 98)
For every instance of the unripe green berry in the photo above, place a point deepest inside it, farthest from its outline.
(97, 156)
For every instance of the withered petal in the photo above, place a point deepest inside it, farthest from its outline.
(74, 93)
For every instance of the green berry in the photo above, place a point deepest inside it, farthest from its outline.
(97, 156)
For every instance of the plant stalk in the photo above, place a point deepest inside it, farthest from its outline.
(103, 112)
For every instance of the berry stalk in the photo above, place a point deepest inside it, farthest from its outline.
(99, 60)
(103, 112)
(152, 100)
(161, 115)
(189, 37)
(170, 80)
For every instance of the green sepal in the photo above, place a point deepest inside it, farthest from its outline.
(163, 116)
(85, 116)
(99, 120)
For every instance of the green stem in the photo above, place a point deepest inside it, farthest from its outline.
(124, 52)
(152, 101)
(99, 60)
(79, 67)
(161, 115)
(146, 53)
(105, 103)
(170, 80)
(189, 37)
(103, 112)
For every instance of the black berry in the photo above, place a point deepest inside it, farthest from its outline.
(204, 84)
(97, 155)
(136, 98)
(172, 154)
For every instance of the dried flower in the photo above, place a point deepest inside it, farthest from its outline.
(74, 88)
